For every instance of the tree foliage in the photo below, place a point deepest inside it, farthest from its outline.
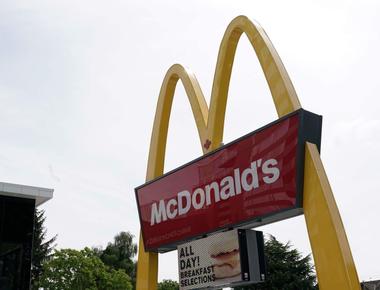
(119, 254)
(168, 285)
(286, 269)
(42, 248)
(70, 269)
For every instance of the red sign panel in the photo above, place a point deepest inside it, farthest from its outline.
(256, 179)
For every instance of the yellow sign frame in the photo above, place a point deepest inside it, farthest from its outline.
(334, 264)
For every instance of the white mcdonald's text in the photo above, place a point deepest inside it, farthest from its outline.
(214, 192)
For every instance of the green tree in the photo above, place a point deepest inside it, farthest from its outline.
(119, 254)
(70, 269)
(168, 285)
(286, 269)
(42, 248)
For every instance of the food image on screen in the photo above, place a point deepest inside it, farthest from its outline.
(225, 257)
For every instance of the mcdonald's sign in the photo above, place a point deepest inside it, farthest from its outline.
(251, 181)
(334, 263)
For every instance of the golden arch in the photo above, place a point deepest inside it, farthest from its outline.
(332, 255)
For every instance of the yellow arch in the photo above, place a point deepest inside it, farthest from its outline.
(332, 255)
(283, 93)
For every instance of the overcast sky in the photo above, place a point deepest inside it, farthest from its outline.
(79, 81)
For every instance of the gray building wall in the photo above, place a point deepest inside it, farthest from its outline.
(371, 285)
